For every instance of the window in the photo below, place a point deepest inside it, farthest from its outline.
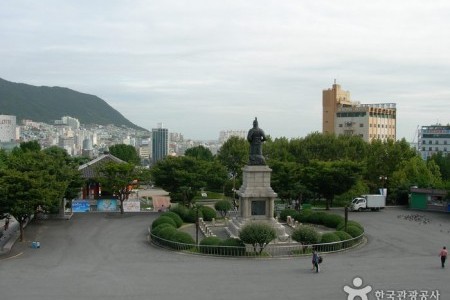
(340, 125)
(436, 142)
(361, 125)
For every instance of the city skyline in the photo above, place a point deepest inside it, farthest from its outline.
(201, 67)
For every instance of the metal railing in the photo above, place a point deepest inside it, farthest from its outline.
(271, 250)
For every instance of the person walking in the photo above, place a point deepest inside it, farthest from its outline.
(443, 254)
(315, 261)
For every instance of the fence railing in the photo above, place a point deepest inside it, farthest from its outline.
(271, 250)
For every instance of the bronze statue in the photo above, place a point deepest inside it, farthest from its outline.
(256, 137)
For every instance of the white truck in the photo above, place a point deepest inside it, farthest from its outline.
(373, 202)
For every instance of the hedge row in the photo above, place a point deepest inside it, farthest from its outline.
(307, 235)
(217, 246)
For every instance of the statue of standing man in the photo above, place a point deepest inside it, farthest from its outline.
(256, 137)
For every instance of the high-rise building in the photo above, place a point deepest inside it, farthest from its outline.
(224, 135)
(342, 116)
(7, 128)
(160, 143)
(434, 139)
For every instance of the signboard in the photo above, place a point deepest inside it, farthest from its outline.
(80, 206)
(106, 205)
(131, 206)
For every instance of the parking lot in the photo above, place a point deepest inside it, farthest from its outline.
(107, 256)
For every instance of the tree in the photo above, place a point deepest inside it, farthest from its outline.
(234, 154)
(178, 174)
(443, 161)
(126, 153)
(199, 152)
(331, 177)
(222, 206)
(259, 235)
(286, 179)
(414, 172)
(33, 179)
(118, 178)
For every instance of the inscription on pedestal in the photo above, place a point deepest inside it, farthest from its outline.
(258, 208)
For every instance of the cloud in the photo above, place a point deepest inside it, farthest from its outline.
(220, 63)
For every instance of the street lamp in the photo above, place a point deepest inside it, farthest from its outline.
(196, 207)
(383, 179)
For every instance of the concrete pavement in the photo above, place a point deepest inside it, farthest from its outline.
(106, 256)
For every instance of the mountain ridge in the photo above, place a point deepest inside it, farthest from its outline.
(46, 104)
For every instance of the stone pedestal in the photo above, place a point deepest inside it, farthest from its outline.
(256, 201)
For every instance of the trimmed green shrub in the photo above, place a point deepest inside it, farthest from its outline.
(354, 231)
(233, 247)
(157, 229)
(191, 216)
(343, 235)
(306, 235)
(161, 220)
(341, 225)
(167, 233)
(303, 215)
(208, 213)
(287, 212)
(173, 216)
(332, 220)
(182, 237)
(180, 210)
(223, 206)
(329, 237)
(259, 235)
(316, 218)
(209, 245)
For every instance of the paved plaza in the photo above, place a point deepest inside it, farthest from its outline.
(106, 256)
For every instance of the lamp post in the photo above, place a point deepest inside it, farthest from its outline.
(383, 179)
(196, 207)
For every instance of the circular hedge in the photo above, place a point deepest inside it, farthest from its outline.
(191, 216)
(182, 237)
(175, 217)
(341, 226)
(208, 213)
(234, 247)
(167, 233)
(332, 220)
(180, 210)
(157, 229)
(209, 245)
(161, 220)
(330, 237)
(354, 231)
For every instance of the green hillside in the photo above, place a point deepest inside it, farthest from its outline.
(46, 104)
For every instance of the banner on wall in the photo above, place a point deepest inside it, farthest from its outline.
(131, 206)
(80, 206)
(106, 205)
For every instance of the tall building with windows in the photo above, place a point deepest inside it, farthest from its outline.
(433, 139)
(7, 128)
(342, 116)
(160, 143)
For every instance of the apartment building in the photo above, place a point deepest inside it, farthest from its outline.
(433, 139)
(342, 116)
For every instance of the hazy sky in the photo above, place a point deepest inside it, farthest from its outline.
(202, 66)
